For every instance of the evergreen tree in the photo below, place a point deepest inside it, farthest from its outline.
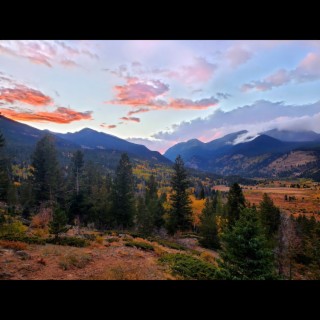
(2, 141)
(145, 221)
(4, 172)
(77, 165)
(180, 213)
(151, 189)
(235, 203)
(202, 195)
(46, 180)
(122, 194)
(245, 254)
(160, 212)
(270, 216)
(58, 223)
(208, 226)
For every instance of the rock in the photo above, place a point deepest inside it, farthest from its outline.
(23, 255)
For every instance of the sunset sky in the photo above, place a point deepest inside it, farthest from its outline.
(159, 93)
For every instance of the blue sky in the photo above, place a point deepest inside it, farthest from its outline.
(161, 92)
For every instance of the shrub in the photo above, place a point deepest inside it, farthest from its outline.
(110, 240)
(74, 260)
(140, 245)
(170, 244)
(208, 257)
(22, 238)
(89, 236)
(15, 245)
(188, 267)
(13, 228)
(99, 239)
(68, 241)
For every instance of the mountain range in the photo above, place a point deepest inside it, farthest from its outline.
(104, 148)
(274, 153)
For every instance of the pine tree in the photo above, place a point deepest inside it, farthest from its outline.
(58, 223)
(2, 141)
(235, 203)
(160, 212)
(202, 195)
(270, 216)
(245, 254)
(151, 189)
(77, 165)
(180, 213)
(122, 194)
(145, 221)
(208, 226)
(46, 180)
(4, 172)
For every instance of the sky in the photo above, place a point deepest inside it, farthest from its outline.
(161, 92)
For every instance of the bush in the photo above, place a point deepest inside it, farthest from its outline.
(170, 244)
(74, 260)
(188, 267)
(110, 240)
(89, 236)
(68, 241)
(140, 245)
(22, 238)
(13, 228)
(15, 245)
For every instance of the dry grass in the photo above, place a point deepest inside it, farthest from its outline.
(209, 257)
(121, 272)
(14, 245)
(74, 259)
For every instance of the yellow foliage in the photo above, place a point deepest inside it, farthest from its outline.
(99, 240)
(209, 257)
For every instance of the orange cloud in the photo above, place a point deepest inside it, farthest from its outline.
(133, 119)
(108, 126)
(60, 115)
(26, 95)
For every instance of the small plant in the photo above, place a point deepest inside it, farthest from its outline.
(58, 223)
(74, 260)
(99, 239)
(140, 245)
(208, 257)
(22, 238)
(110, 240)
(170, 244)
(68, 241)
(188, 267)
(15, 245)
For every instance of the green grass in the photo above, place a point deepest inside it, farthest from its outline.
(170, 244)
(23, 238)
(188, 267)
(68, 241)
(112, 240)
(139, 245)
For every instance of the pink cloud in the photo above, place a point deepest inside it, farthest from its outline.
(60, 115)
(133, 119)
(237, 56)
(137, 93)
(140, 110)
(46, 52)
(193, 104)
(69, 63)
(26, 95)
(307, 70)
